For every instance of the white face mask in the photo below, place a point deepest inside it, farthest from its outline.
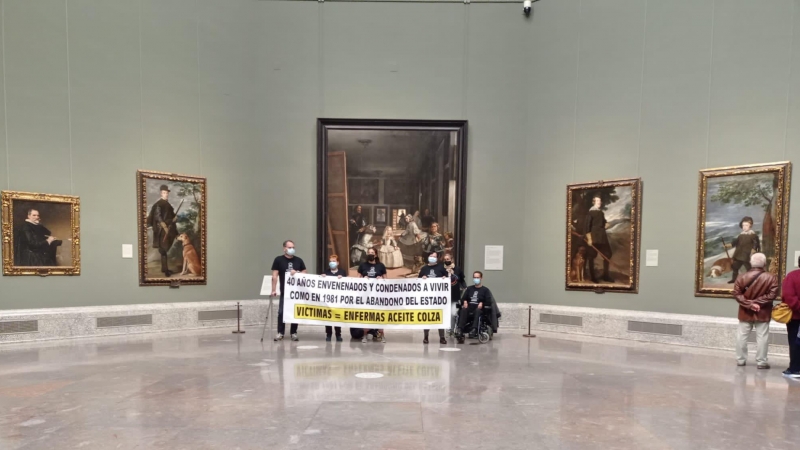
(333, 264)
(290, 251)
(432, 260)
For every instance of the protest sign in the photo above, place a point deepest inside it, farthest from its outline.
(413, 303)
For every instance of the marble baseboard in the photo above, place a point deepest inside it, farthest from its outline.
(695, 331)
(67, 323)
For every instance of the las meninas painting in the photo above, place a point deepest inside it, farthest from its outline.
(742, 210)
(603, 229)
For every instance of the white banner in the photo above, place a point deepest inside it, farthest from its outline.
(367, 302)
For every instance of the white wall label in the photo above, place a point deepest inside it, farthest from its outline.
(127, 251)
(493, 257)
(651, 259)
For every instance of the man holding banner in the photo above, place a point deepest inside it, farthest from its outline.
(286, 263)
(434, 270)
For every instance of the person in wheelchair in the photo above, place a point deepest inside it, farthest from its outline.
(477, 301)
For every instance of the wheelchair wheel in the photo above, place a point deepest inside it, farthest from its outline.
(483, 337)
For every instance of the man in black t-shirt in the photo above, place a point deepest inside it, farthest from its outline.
(286, 263)
(434, 270)
(372, 268)
(475, 298)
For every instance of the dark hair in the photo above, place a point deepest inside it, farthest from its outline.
(478, 272)
(434, 253)
(29, 211)
(377, 259)
(287, 241)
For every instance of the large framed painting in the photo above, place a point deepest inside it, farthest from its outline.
(41, 234)
(603, 235)
(741, 210)
(171, 211)
(398, 186)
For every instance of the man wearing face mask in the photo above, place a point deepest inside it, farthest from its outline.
(286, 263)
(333, 271)
(475, 298)
(372, 268)
(434, 270)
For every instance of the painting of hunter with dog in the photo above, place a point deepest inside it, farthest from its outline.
(603, 229)
(742, 210)
(172, 235)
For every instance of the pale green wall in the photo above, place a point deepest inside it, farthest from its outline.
(231, 89)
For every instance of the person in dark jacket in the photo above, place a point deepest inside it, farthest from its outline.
(476, 300)
(162, 219)
(597, 238)
(791, 296)
(34, 244)
(434, 270)
(746, 244)
(755, 292)
(333, 270)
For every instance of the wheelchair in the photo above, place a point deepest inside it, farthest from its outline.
(484, 332)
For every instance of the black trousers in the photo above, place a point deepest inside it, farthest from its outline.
(329, 330)
(465, 314)
(794, 348)
(281, 325)
(736, 265)
(441, 333)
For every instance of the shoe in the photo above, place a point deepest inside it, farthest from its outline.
(788, 374)
(278, 337)
(338, 339)
(763, 366)
(383, 339)
(741, 364)
(328, 338)
(443, 341)
(364, 340)
(460, 340)
(473, 335)
(294, 337)
(425, 341)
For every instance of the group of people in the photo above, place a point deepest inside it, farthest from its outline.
(755, 292)
(472, 300)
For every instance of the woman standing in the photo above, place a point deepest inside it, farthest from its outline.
(434, 241)
(372, 268)
(390, 253)
(791, 296)
(333, 271)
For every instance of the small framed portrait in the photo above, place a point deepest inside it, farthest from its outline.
(603, 233)
(171, 211)
(381, 215)
(41, 234)
(741, 210)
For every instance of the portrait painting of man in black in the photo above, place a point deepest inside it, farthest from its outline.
(380, 181)
(41, 234)
(603, 235)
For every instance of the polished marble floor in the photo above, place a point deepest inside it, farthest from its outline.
(216, 390)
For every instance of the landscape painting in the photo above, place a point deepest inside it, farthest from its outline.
(395, 186)
(741, 211)
(171, 212)
(603, 233)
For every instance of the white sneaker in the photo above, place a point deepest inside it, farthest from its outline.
(383, 339)
(278, 337)
(364, 340)
(294, 337)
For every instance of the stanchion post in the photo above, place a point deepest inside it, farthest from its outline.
(529, 335)
(238, 320)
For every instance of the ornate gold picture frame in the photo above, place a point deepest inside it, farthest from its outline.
(741, 210)
(41, 234)
(603, 235)
(171, 215)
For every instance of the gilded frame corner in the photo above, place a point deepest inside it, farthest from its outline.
(783, 169)
(141, 224)
(7, 198)
(632, 287)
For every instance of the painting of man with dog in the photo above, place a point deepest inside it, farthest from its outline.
(742, 210)
(376, 177)
(603, 229)
(172, 235)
